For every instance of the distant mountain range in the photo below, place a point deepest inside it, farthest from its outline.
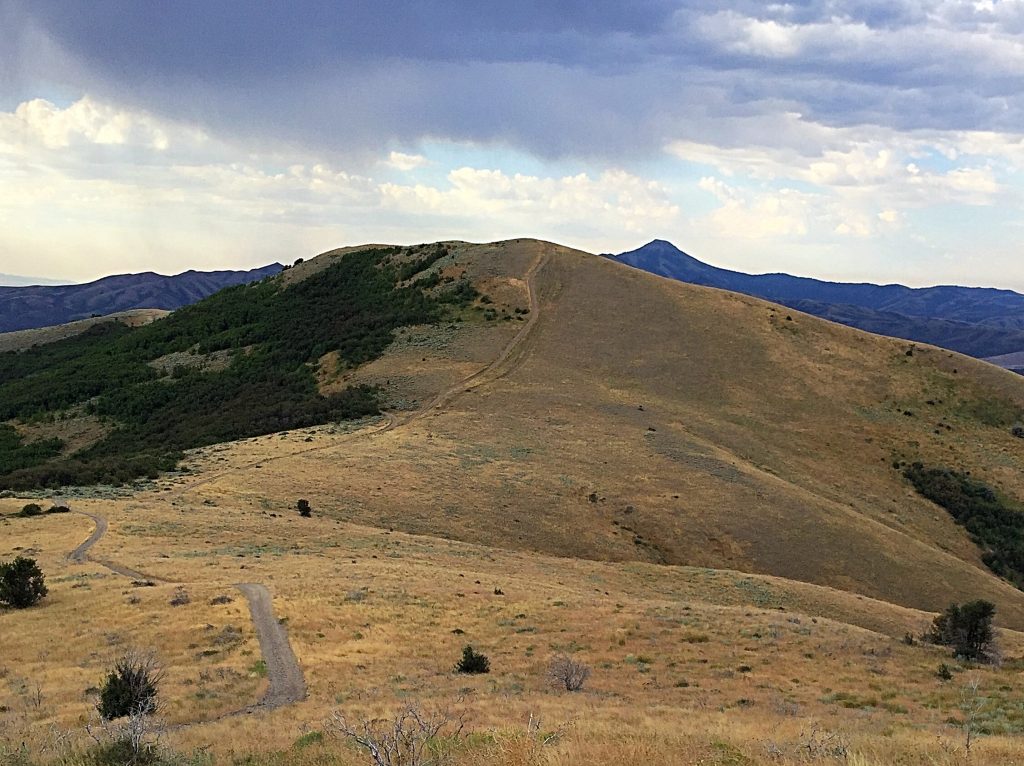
(24, 308)
(979, 322)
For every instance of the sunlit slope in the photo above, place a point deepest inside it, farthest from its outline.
(644, 419)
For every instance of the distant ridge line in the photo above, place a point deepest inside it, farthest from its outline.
(982, 322)
(31, 307)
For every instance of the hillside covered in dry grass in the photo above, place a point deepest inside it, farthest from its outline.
(699, 495)
(647, 420)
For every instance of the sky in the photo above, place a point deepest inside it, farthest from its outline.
(870, 140)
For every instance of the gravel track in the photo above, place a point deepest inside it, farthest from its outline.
(81, 554)
(287, 683)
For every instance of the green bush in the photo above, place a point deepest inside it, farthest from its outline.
(31, 509)
(130, 688)
(967, 628)
(304, 509)
(21, 583)
(472, 662)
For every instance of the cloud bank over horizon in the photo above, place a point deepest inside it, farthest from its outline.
(859, 140)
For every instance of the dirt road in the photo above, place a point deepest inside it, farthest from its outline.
(81, 554)
(287, 684)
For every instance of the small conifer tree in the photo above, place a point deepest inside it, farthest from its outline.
(21, 583)
(472, 662)
(967, 628)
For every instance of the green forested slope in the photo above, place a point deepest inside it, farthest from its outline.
(271, 334)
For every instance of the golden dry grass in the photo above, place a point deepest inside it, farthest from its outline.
(689, 663)
(713, 430)
(678, 486)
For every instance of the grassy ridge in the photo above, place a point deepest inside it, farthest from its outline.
(273, 337)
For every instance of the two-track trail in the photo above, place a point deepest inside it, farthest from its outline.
(287, 683)
(506, 361)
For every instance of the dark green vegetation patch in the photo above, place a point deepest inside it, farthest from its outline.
(995, 525)
(15, 455)
(273, 336)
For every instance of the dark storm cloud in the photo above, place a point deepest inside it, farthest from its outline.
(231, 39)
(554, 78)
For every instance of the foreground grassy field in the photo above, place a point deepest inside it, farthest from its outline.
(689, 665)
